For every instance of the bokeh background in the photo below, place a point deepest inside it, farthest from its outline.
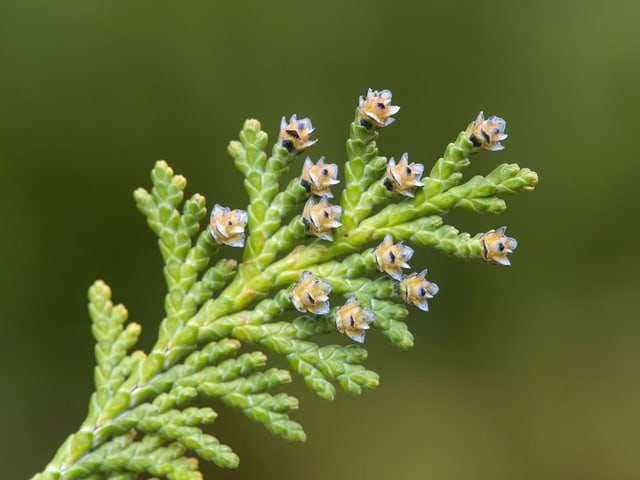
(527, 372)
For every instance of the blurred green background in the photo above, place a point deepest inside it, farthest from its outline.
(526, 372)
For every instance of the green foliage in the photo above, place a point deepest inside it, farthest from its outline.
(223, 318)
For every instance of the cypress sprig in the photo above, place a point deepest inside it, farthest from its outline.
(317, 277)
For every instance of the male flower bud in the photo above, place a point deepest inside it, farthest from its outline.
(391, 257)
(487, 134)
(404, 176)
(416, 290)
(496, 245)
(319, 217)
(375, 110)
(311, 294)
(353, 320)
(317, 179)
(295, 135)
(227, 226)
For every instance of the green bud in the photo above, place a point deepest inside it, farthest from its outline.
(492, 205)
(144, 201)
(354, 380)
(221, 455)
(164, 402)
(81, 442)
(187, 336)
(184, 395)
(322, 387)
(216, 330)
(399, 335)
(235, 148)
(278, 344)
(119, 403)
(151, 365)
